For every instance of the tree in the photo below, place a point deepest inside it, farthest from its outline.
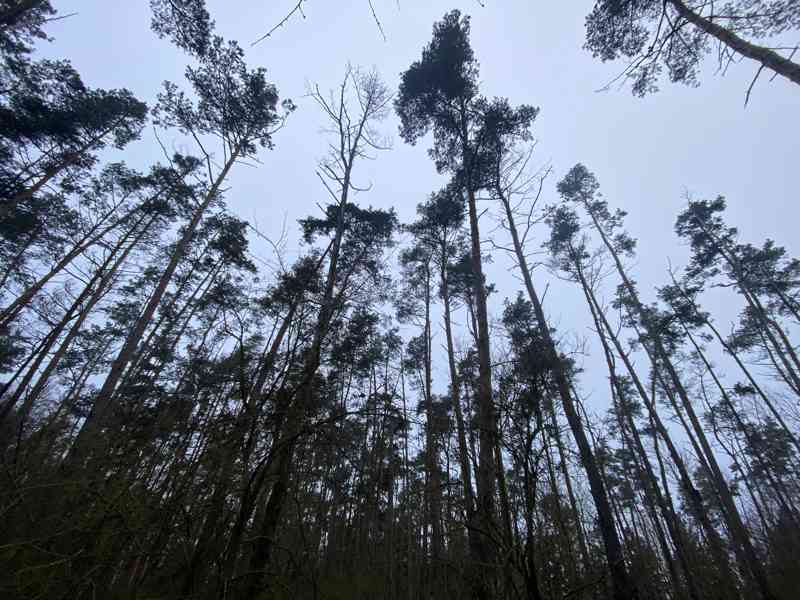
(580, 187)
(186, 413)
(358, 237)
(499, 158)
(53, 127)
(439, 230)
(677, 34)
(151, 208)
(21, 25)
(715, 248)
(569, 248)
(240, 107)
(186, 22)
(439, 92)
(415, 305)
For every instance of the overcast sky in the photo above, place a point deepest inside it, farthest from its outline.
(647, 153)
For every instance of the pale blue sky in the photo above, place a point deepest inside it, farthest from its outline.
(646, 153)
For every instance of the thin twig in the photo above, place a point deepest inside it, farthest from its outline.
(282, 22)
(377, 21)
(752, 83)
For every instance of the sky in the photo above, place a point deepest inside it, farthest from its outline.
(647, 154)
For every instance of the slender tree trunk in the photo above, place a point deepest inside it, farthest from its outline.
(93, 236)
(769, 327)
(431, 448)
(651, 488)
(100, 279)
(768, 58)
(623, 587)
(487, 476)
(573, 502)
(507, 533)
(473, 538)
(561, 520)
(694, 499)
(741, 425)
(102, 402)
(16, 262)
(22, 368)
(145, 351)
(67, 160)
(455, 399)
(284, 443)
(743, 544)
(735, 355)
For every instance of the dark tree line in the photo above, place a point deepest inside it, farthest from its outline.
(177, 423)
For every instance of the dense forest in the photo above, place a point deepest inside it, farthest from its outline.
(373, 416)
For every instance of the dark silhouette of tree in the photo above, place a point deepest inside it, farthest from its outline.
(240, 107)
(439, 93)
(185, 416)
(678, 34)
(185, 22)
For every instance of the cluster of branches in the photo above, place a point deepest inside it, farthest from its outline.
(176, 423)
(676, 35)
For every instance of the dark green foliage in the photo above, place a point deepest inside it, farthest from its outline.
(313, 424)
(655, 36)
(232, 101)
(439, 93)
(53, 126)
(366, 232)
(186, 22)
(579, 186)
(21, 27)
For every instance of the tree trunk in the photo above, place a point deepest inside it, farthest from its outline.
(102, 403)
(68, 159)
(103, 280)
(473, 539)
(735, 355)
(743, 544)
(623, 587)
(486, 478)
(768, 58)
(652, 490)
(431, 448)
(10, 312)
(301, 398)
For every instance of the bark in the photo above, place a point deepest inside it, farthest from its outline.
(140, 363)
(487, 422)
(743, 427)
(67, 159)
(652, 490)
(16, 262)
(455, 398)
(102, 278)
(255, 482)
(92, 237)
(745, 549)
(102, 404)
(622, 585)
(285, 443)
(769, 327)
(735, 355)
(431, 447)
(768, 58)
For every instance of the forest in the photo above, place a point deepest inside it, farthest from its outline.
(383, 410)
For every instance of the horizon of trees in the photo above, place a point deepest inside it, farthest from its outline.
(176, 422)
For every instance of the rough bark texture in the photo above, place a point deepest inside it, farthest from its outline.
(769, 58)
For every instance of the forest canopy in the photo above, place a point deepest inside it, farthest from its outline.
(483, 390)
